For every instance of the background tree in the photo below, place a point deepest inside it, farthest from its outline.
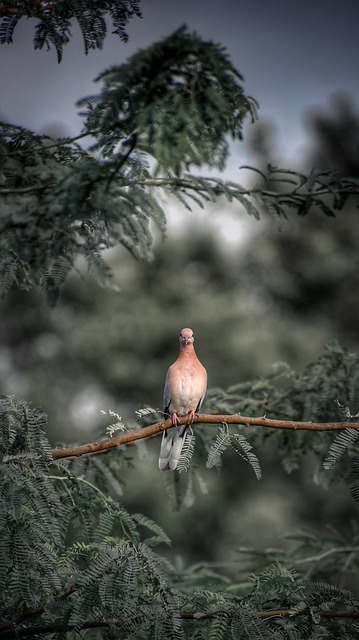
(91, 564)
(310, 270)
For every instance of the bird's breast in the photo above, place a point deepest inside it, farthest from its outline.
(188, 386)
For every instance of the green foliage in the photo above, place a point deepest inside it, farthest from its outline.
(277, 584)
(59, 201)
(312, 395)
(57, 206)
(187, 452)
(169, 108)
(72, 557)
(219, 446)
(342, 442)
(21, 430)
(181, 114)
(243, 448)
(61, 534)
(332, 556)
(304, 193)
(317, 394)
(240, 445)
(53, 28)
(309, 271)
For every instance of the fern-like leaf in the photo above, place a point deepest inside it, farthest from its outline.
(159, 537)
(222, 442)
(241, 446)
(339, 446)
(187, 452)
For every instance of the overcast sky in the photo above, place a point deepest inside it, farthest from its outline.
(293, 55)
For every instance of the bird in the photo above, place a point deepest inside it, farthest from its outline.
(185, 388)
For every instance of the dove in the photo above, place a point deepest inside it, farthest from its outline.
(185, 388)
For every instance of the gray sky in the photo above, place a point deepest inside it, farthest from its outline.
(293, 55)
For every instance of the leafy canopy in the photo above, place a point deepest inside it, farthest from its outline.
(181, 97)
(55, 20)
(72, 558)
(169, 108)
(69, 202)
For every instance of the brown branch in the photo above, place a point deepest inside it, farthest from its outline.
(8, 11)
(51, 628)
(37, 8)
(290, 613)
(93, 624)
(158, 427)
(28, 612)
(12, 629)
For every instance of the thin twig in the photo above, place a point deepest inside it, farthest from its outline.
(182, 183)
(216, 189)
(325, 554)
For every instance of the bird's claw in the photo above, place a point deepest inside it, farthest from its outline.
(191, 416)
(175, 419)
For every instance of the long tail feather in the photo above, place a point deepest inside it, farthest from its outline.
(171, 447)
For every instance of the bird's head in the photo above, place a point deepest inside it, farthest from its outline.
(186, 337)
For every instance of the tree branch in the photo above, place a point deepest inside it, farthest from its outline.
(182, 183)
(215, 188)
(28, 612)
(184, 615)
(287, 613)
(35, 9)
(325, 554)
(158, 427)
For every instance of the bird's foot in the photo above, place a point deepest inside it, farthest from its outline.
(191, 416)
(175, 419)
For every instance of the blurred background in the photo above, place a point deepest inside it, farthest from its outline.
(253, 292)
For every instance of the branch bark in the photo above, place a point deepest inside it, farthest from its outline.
(154, 429)
(33, 10)
(24, 632)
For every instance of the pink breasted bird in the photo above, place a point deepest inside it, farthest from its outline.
(185, 388)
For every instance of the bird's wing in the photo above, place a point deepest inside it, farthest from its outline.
(201, 399)
(167, 394)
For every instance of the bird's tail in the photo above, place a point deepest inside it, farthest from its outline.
(171, 447)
